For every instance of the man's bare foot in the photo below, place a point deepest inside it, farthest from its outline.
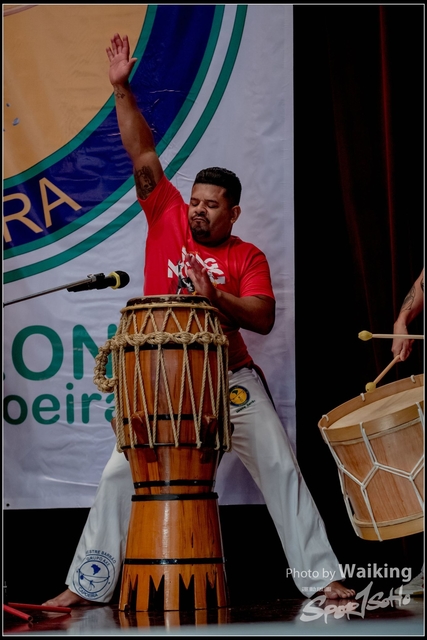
(336, 591)
(67, 599)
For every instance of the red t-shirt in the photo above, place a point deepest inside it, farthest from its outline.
(235, 266)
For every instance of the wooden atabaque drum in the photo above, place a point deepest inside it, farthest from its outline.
(170, 380)
(377, 441)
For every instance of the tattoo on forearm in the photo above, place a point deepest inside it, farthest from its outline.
(144, 181)
(409, 300)
(119, 94)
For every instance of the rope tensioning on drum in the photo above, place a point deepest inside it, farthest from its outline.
(186, 371)
(410, 476)
(184, 338)
(222, 367)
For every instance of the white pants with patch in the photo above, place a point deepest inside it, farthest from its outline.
(261, 443)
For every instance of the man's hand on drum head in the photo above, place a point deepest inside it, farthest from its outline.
(198, 274)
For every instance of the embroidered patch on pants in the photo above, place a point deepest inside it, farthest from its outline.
(95, 575)
(239, 396)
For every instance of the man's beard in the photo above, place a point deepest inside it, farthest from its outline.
(199, 234)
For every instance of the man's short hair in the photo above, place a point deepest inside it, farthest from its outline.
(222, 178)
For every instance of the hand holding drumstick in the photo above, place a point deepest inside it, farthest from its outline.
(371, 386)
(402, 340)
(366, 335)
(412, 306)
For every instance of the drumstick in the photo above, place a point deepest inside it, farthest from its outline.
(367, 335)
(40, 607)
(372, 385)
(18, 614)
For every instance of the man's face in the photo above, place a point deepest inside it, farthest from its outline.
(209, 214)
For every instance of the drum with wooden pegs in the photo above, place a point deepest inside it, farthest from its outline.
(170, 378)
(377, 441)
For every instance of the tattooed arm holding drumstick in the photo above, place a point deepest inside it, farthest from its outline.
(412, 306)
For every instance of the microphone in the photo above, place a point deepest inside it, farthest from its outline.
(115, 280)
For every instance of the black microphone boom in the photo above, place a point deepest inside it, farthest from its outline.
(115, 280)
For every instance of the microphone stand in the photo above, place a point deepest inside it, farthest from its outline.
(90, 278)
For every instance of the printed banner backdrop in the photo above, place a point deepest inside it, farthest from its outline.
(215, 83)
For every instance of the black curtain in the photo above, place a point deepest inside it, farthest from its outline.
(359, 223)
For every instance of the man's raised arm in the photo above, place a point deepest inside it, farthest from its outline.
(135, 132)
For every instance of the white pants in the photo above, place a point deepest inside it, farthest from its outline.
(261, 443)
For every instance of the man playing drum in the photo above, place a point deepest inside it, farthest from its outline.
(192, 237)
